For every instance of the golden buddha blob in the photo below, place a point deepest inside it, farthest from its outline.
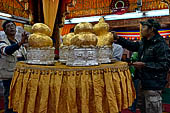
(41, 28)
(101, 29)
(40, 37)
(84, 36)
(67, 39)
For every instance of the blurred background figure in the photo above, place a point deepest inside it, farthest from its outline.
(19, 31)
(117, 52)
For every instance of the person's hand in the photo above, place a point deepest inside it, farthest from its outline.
(115, 35)
(24, 39)
(138, 65)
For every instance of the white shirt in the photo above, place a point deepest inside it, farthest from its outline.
(117, 52)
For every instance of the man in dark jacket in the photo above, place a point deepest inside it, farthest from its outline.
(152, 65)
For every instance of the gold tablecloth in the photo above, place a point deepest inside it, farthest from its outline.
(107, 88)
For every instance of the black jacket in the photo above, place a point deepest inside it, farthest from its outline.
(155, 54)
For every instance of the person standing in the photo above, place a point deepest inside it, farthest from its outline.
(134, 58)
(11, 51)
(152, 65)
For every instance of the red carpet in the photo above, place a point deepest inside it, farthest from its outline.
(166, 107)
(128, 111)
(1, 103)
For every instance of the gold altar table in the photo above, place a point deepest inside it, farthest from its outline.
(107, 88)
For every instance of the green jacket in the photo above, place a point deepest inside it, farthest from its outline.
(133, 58)
(155, 54)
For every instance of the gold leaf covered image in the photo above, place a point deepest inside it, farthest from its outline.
(83, 27)
(41, 28)
(84, 36)
(101, 29)
(84, 39)
(39, 40)
(67, 39)
(40, 37)
(105, 40)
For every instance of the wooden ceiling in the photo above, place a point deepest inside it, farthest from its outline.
(15, 7)
(102, 7)
(80, 9)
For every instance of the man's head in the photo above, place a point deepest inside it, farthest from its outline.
(149, 27)
(9, 27)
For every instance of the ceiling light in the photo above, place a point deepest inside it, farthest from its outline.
(5, 14)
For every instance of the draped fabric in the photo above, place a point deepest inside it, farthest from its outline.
(106, 88)
(50, 8)
(66, 29)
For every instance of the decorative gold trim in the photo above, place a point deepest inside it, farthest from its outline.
(23, 68)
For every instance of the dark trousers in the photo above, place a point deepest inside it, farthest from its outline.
(6, 84)
(136, 85)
